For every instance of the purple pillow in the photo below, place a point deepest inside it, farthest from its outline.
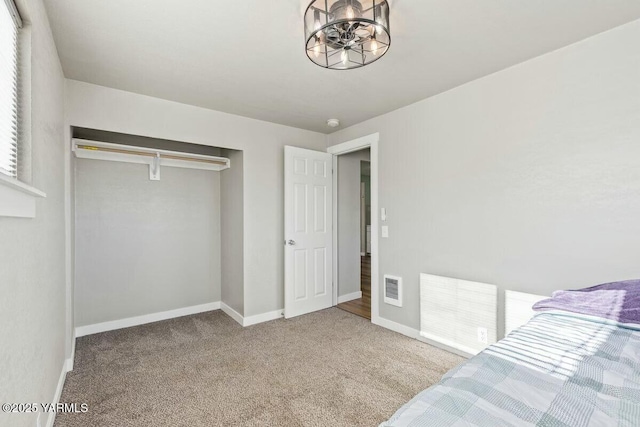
(619, 301)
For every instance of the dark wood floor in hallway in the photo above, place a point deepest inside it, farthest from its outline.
(361, 306)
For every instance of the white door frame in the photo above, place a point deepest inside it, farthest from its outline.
(369, 141)
(363, 218)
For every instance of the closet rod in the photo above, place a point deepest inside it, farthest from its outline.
(142, 153)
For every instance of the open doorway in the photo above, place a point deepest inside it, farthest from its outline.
(354, 232)
(370, 142)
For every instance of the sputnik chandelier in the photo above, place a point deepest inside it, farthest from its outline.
(346, 34)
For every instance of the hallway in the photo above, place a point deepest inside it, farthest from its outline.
(361, 306)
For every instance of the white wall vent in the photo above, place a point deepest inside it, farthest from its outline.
(517, 309)
(458, 313)
(393, 290)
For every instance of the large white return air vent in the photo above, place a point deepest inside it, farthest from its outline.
(458, 313)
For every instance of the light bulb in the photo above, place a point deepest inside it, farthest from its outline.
(350, 13)
(345, 57)
(316, 49)
(374, 46)
(316, 20)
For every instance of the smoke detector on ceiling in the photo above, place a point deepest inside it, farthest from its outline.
(333, 123)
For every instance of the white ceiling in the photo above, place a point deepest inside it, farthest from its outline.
(247, 57)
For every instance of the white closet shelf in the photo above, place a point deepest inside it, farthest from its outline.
(86, 149)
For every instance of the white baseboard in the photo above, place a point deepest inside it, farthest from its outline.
(69, 362)
(349, 297)
(451, 347)
(51, 418)
(264, 317)
(251, 320)
(415, 333)
(232, 313)
(396, 327)
(81, 331)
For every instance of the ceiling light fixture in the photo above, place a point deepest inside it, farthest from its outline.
(333, 123)
(346, 34)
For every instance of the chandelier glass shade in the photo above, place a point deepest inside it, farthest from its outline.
(346, 34)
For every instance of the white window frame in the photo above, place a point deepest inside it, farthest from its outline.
(18, 199)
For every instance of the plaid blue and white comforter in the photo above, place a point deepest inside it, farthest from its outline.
(558, 370)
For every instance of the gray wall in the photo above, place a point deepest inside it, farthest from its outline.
(144, 246)
(32, 251)
(97, 107)
(349, 221)
(528, 179)
(232, 220)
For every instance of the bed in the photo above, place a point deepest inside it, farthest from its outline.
(575, 364)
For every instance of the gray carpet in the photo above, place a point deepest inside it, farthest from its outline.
(329, 368)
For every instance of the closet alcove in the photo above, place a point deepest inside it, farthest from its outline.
(158, 228)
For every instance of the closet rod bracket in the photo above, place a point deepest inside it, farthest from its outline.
(154, 168)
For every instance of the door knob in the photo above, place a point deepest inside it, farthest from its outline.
(291, 243)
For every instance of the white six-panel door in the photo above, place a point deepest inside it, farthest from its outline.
(307, 231)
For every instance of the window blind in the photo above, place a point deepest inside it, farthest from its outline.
(10, 24)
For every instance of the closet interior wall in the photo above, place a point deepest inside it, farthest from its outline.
(144, 247)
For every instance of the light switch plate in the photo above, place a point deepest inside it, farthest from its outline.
(385, 231)
(383, 214)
